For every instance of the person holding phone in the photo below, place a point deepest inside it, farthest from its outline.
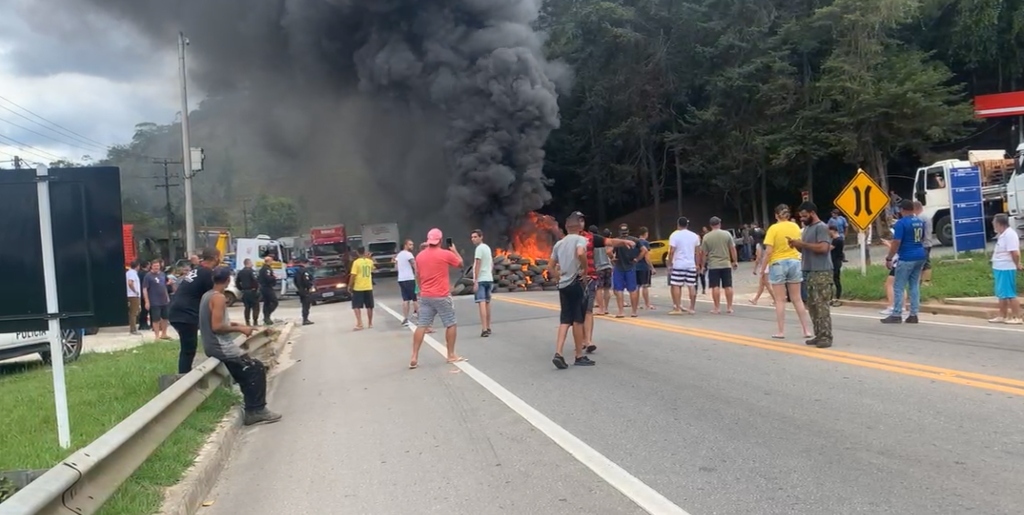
(432, 265)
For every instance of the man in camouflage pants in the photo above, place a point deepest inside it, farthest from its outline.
(815, 245)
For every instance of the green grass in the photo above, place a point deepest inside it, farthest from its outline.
(971, 276)
(103, 389)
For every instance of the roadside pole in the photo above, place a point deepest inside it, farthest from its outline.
(60, 393)
(862, 241)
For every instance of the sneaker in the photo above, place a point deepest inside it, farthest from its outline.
(812, 341)
(1013, 321)
(591, 348)
(307, 322)
(885, 312)
(997, 320)
(483, 334)
(559, 362)
(263, 416)
(822, 344)
(584, 361)
(912, 319)
(405, 322)
(892, 319)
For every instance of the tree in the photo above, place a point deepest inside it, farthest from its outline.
(274, 216)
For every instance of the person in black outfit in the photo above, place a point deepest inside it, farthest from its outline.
(143, 321)
(838, 255)
(250, 290)
(184, 310)
(304, 286)
(267, 282)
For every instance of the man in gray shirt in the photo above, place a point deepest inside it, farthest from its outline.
(815, 246)
(568, 264)
(926, 272)
(217, 332)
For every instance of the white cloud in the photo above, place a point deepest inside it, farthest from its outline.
(99, 94)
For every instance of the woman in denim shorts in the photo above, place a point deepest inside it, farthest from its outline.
(784, 270)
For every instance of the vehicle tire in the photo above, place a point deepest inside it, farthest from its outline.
(944, 231)
(90, 331)
(230, 297)
(71, 344)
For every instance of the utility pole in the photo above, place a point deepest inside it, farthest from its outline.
(245, 217)
(186, 152)
(167, 195)
(17, 163)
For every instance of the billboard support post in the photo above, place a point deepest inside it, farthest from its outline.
(53, 333)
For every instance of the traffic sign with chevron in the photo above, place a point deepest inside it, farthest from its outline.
(862, 200)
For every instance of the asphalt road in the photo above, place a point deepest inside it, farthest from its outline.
(697, 414)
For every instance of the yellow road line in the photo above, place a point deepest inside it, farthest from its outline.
(972, 379)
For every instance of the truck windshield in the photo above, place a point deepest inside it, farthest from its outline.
(329, 249)
(324, 272)
(383, 248)
(270, 250)
(936, 178)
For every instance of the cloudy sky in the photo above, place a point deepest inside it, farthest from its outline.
(86, 88)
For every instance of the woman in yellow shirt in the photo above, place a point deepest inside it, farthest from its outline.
(784, 270)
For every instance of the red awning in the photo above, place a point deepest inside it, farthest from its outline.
(1000, 104)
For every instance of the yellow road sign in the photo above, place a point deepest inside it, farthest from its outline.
(862, 200)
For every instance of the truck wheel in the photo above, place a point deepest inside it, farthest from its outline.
(71, 346)
(944, 231)
(230, 297)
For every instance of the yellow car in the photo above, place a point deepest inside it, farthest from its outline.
(659, 252)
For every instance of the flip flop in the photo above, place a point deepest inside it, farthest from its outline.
(457, 360)
(620, 316)
(779, 336)
(357, 328)
(413, 365)
(632, 316)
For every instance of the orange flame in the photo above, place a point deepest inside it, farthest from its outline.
(533, 240)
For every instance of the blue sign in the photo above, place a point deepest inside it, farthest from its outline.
(968, 209)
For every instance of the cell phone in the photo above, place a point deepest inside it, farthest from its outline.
(448, 242)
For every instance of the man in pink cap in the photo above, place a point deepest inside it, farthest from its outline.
(432, 265)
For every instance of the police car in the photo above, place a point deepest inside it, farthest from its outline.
(15, 345)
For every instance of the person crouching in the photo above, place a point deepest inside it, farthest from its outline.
(217, 333)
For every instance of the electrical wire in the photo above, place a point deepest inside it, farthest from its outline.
(55, 124)
(22, 127)
(22, 146)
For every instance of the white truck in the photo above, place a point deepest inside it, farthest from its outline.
(384, 243)
(1002, 188)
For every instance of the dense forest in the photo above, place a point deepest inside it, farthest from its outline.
(746, 101)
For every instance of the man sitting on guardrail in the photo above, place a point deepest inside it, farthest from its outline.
(217, 332)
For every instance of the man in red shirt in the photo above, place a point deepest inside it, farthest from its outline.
(432, 265)
(594, 241)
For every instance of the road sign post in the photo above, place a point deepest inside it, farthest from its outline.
(862, 201)
(967, 209)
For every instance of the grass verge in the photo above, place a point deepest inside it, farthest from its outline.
(970, 276)
(103, 389)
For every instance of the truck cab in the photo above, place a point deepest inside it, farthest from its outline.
(382, 241)
(931, 188)
(259, 248)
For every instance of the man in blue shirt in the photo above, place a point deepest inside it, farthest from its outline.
(908, 242)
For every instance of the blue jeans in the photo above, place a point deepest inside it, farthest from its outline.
(908, 274)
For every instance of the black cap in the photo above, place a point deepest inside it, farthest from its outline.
(577, 214)
(222, 274)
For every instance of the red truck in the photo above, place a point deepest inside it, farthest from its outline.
(328, 245)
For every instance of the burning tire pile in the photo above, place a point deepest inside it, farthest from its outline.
(525, 268)
(513, 273)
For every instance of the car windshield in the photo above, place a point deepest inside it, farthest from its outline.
(383, 248)
(329, 249)
(324, 272)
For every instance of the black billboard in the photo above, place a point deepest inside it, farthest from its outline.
(85, 206)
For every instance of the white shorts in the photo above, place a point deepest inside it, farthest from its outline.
(683, 277)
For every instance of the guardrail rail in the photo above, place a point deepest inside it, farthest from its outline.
(85, 480)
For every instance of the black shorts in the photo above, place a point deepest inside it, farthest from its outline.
(362, 299)
(408, 290)
(604, 279)
(719, 278)
(572, 302)
(643, 278)
(157, 313)
(927, 258)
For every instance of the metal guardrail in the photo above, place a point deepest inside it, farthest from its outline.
(85, 480)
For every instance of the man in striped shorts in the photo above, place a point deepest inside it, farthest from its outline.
(685, 261)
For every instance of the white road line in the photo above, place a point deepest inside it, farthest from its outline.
(637, 491)
(873, 317)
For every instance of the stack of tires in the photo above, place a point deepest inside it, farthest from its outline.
(512, 273)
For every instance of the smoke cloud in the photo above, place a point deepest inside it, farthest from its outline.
(428, 106)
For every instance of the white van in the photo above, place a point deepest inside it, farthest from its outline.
(15, 345)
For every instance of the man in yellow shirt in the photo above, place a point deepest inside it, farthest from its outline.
(784, 269)
(360, 285)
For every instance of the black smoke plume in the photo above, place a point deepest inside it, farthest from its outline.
(399, 100)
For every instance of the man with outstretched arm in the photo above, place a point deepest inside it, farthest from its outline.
(594, 241)
(567, 266)
(432, 265)
(218, 334)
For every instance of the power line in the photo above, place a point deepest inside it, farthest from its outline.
(77, 139)
(22, 146)
(22, 127)
(27, 110)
